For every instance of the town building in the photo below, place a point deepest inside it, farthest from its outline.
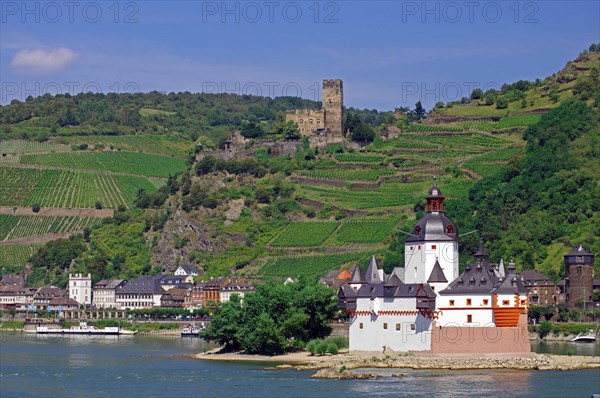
(11, 279)
(16, 297)
(194, 297)
(430, 307)
(80, 288)
(104, 293)
(174, 298)
(237, 286)
(542, 290)
(579, 280)
(143, 292)
(186, 270)
(44, 294)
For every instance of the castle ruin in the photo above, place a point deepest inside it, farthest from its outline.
(329, 119)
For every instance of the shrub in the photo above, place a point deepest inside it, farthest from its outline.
(35, 207)
(321, 347)
(332, 349)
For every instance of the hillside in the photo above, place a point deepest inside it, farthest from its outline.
(293, 215)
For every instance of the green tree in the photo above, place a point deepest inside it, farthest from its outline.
(363, 133)
(501, 103)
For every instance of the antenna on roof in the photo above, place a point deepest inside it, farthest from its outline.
(408, 233)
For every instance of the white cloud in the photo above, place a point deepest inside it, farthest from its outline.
(42, 61)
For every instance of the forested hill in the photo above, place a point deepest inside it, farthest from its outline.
(547, 201)
(182, 115)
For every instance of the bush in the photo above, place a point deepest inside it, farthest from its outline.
(332, 349)
(545, 328)
(501, 103)
(36, 207)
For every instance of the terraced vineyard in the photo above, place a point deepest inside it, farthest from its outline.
(366, 231)
(432, 128)
(346, 175)
(64, 188)
(311, 266)
(22, 146)
(299, 234)
(359, 158)
(18, 227)
(121, 162)
(486, 169)
(158, 144)
(11, 256)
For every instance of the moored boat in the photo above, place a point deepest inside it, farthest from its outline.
(191, 331)
(589, 337)
(84, 329)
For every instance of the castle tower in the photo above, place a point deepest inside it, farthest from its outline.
(431, 251)
(333, 105)
(580, 276)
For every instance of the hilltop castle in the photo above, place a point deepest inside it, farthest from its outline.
(329, 119)
(428, 306)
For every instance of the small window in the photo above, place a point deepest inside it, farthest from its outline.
(385, 326)
(433, 247)
(523, 302)
(485, 301)
(468, 301)
(413, 327)
(505, 302)
(578, 270)
(418, 232)
(450, 229)
(397, 326)
(451, 303)
(360, 325)
(469, 318)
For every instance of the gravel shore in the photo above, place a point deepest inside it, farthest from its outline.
(304, 361)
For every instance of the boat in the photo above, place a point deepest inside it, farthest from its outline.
(588, 337)
(84, 329)
(191, 331)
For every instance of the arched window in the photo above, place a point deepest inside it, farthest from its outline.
(418, 231)
(450, 229)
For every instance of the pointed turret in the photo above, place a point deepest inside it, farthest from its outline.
(481, 253)
(357, 277)
(372, 273)
(437, 274)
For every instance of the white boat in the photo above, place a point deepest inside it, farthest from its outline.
(191, 331)
(589, 337)
(84, 329)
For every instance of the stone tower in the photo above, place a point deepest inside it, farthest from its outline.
(333, 105)
(580, 276)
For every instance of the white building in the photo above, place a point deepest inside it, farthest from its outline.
(143, 292)
(419, 307)
(80, 288)
(104, 293)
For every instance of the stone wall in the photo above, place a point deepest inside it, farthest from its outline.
(580, 284)
(308, 120)
(464, 340)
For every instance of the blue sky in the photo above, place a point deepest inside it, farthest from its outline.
(389, 53)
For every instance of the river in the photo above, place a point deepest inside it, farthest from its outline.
(140, 366)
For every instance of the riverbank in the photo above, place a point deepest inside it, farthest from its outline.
(347, 361)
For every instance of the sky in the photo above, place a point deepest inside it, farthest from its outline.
(388, 53)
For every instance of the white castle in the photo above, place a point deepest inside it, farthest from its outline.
(427, 306)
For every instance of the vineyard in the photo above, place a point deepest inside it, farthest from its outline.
(63, 188)
(158, 144)
(366, 231)
(486, 169)
(518, 120)
(18, 227)
(22, 146)
(359, 158)
(11, 256)
(346, 175)
(310, 266)
(304, 234)
(121, 162)
(432, 128)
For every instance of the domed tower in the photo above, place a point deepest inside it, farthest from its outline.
(434, 238)
(579, 264)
